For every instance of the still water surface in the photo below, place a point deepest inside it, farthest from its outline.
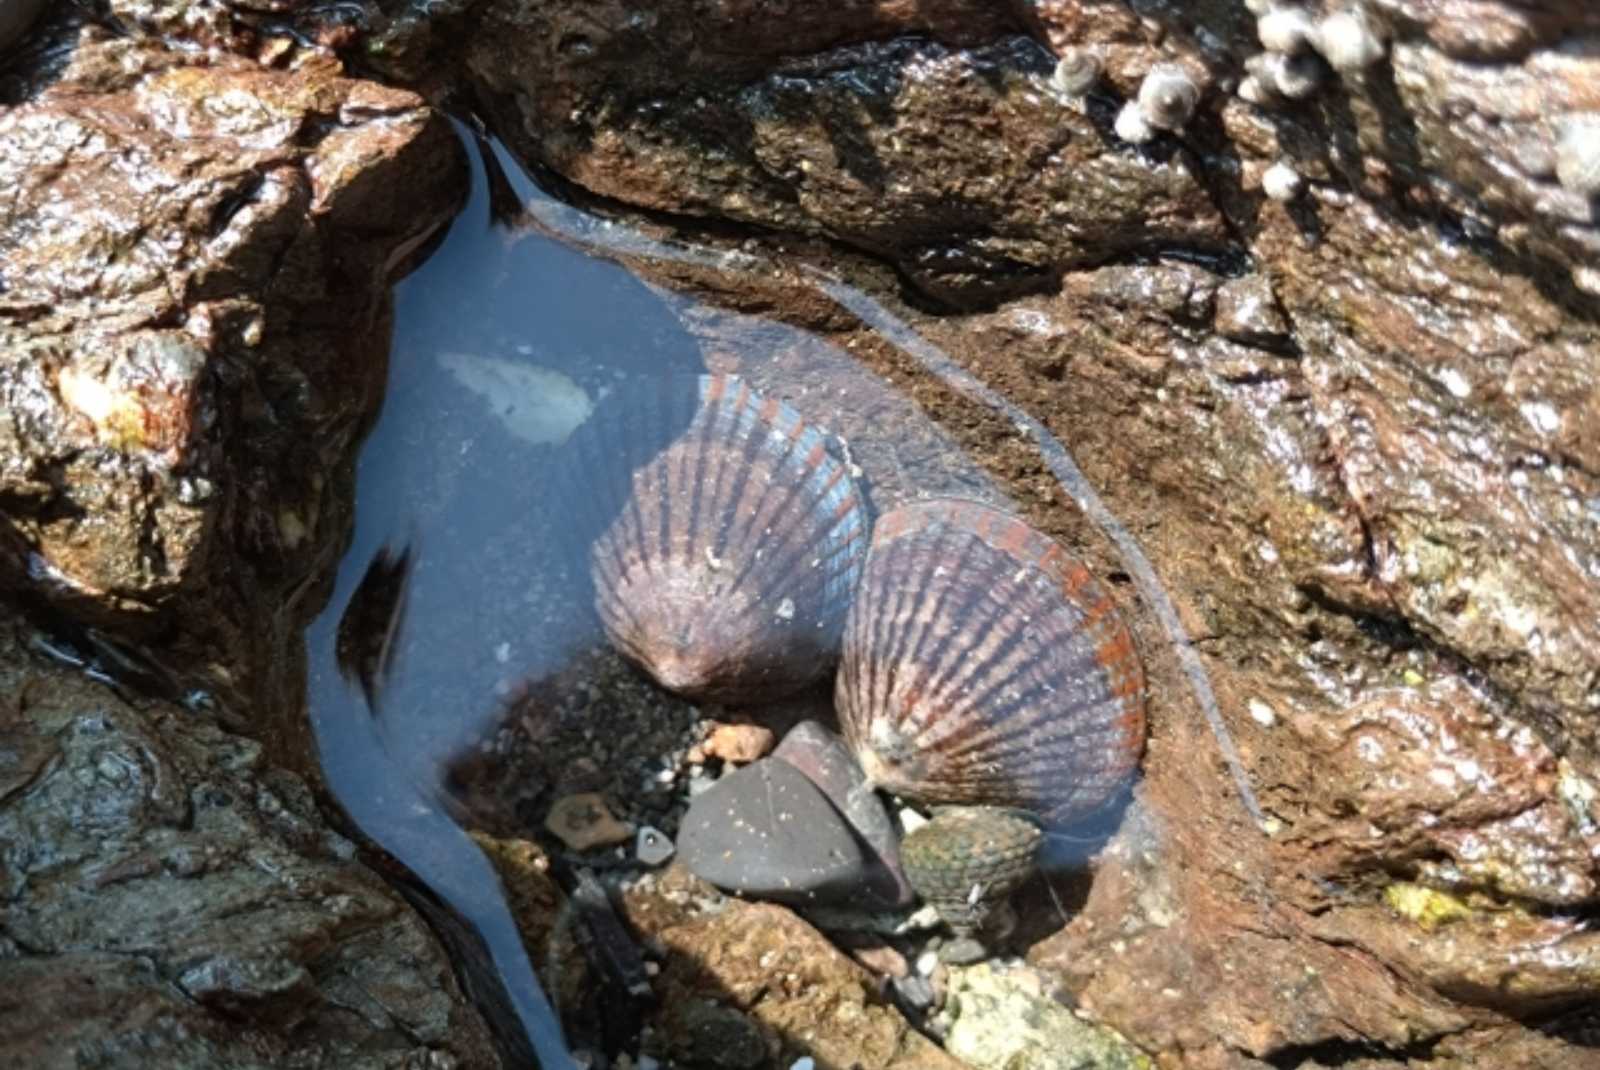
(477, 686)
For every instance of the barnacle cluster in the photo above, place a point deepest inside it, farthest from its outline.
(1166, 100)
(1300, 49)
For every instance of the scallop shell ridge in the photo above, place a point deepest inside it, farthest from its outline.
(983, 665)
(724, 541)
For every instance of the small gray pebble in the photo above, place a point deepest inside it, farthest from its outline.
(915, 991)
(653, 847)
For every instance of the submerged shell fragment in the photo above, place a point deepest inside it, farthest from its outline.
(982, 665)
(723, 539)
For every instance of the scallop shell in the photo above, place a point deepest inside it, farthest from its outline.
(968, 860)
(982, 664)
(724, 540)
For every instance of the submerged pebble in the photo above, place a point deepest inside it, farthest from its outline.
(584, 822)
(653, 847)
(767, 831)
(824, 757)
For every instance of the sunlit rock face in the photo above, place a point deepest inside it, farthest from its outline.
(196, 253)
(1355, 424)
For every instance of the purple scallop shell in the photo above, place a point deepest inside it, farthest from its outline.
(725, 541)
(983, 665)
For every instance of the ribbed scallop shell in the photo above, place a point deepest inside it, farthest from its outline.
(981, 664)
(968, 859)
(725, 541)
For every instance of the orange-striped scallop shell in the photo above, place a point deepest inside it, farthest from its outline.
(724, 540)
(983, 665)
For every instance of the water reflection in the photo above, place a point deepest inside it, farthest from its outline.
(461, 674)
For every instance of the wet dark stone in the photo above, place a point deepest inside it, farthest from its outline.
(15, 18)
(768, 832)
(824, 757)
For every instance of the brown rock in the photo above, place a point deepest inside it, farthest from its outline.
(1248, 312)
(583, 822)
(197, 253)
(1431, 783)
(989, 172)
(881, 959)
(786, 985)
(738, 743)
(539, 907)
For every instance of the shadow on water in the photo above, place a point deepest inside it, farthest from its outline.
(460, 678)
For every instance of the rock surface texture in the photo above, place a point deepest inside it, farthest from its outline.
(195, 251)
(1327, 345)
(1353, 419)
(172, 899)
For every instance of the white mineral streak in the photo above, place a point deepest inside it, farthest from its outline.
(574, 226)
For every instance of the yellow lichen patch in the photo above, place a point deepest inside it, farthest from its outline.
(119, 419)
(1427, 907)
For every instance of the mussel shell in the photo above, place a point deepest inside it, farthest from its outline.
(968, 859)
(724, 541)
(982, 664)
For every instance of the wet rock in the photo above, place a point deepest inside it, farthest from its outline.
(1429, 781)
(135, 838)
(823, 756)
(583, 822)
(1003, 1020)
(768, 832)
(855, 142)
(1248, 312)
(197, 252)
(1162, 910)
(1411, 499)
(803, 997)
